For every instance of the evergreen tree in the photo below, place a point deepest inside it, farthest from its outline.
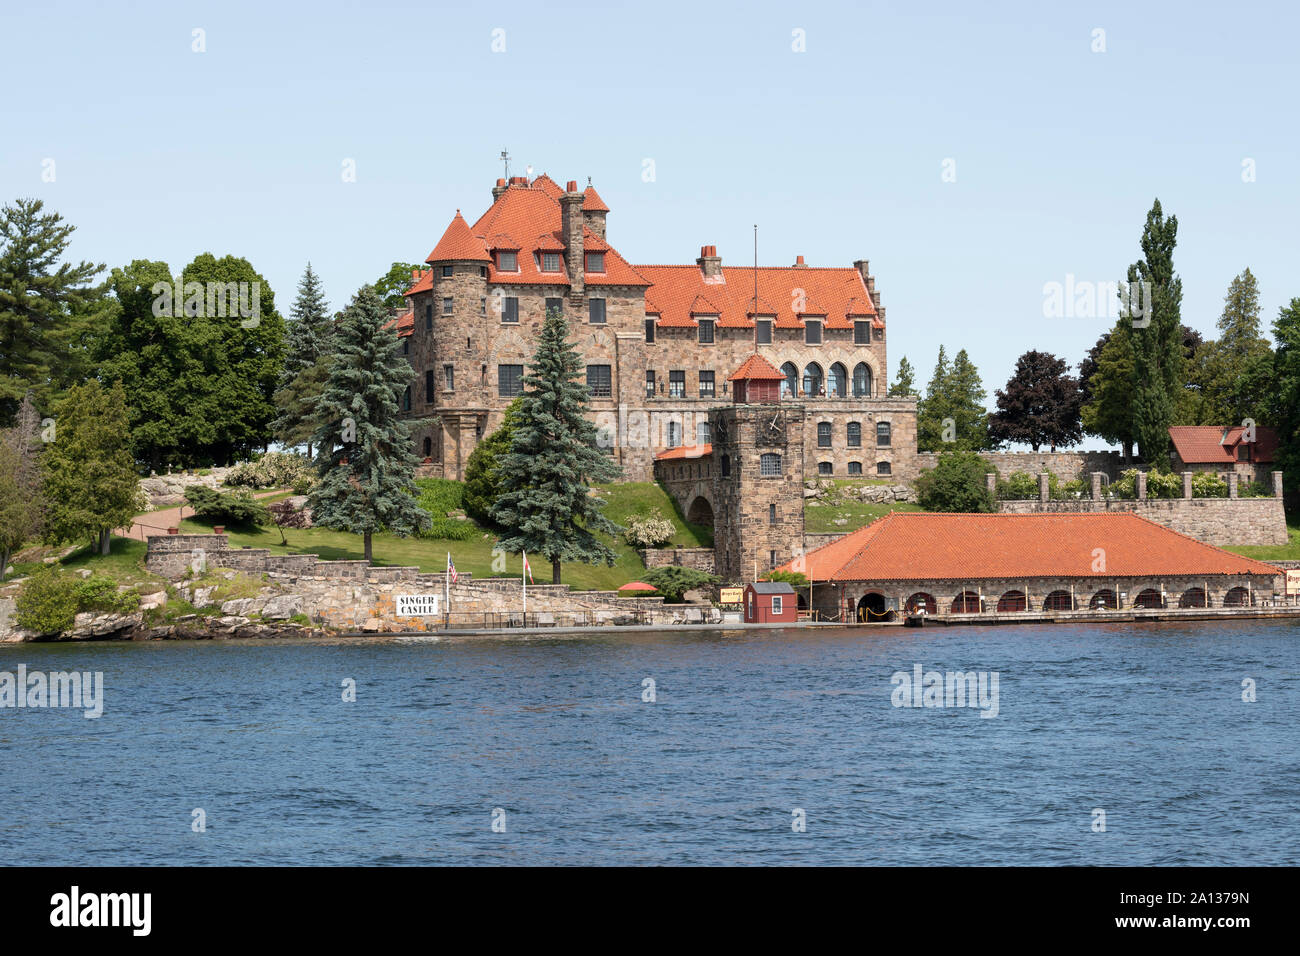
(1040, 405)
(1286, 390)
(45, 306)
(966, 396)
(904, 385)
(364, 452)
(307, 354)
(1158, 359)
(545, 505)
(1235, 372)
(91, 486)
(932, 408)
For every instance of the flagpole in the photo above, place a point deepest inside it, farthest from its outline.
(523, 580)
(446, 586)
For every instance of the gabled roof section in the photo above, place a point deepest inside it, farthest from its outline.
(702, 306)
(1217, 444)
(756, 368)
(971, 547)
(404, 323)
(421, 281)
(547, 185)
(459, 243)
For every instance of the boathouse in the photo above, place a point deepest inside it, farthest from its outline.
(911, 564)
(770, 602)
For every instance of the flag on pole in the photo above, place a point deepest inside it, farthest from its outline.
(527, 569)
(451, 569)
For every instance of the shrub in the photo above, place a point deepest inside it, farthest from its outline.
(230, 507)
(1019, 486)
(649, 531)
(796, 579)
(304, 484)
(275, 469)
(672, 581)
(1159, 484)
(97, 593)
(438, 496)
(1254, 489)
(1207, 485)
(482, 469)
(956, 483)
(46, 603)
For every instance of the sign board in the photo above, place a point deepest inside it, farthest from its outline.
(417, 605)
(1292, 581)
(731, 595)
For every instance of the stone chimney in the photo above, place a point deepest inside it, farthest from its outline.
(864, 269)
(498, 189)
(710, 262)
(571, 229)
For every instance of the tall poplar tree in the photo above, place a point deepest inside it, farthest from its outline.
(545, 505)
(364, 452)
(1159, 370)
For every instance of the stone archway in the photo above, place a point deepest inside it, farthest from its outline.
(872, 609)
(700, 512)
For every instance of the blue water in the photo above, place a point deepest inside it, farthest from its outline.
(1146, 723)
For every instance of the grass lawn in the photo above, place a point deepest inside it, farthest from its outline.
(1274, 552)
(840, 501)
(475, 555)
(124, 562)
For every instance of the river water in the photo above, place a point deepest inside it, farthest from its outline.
(448, 744)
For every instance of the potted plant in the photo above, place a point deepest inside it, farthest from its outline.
(218, 529)
(173, 530)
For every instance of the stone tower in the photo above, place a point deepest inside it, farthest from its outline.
(758, 471)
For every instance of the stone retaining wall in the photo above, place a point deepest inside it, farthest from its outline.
(1217, 521)
(701, 559)
(1066, 465)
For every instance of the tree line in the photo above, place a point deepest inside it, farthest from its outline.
(1146, 373)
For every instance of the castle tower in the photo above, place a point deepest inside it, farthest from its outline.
(758, 469)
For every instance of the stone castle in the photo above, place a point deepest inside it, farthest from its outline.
(659, 341)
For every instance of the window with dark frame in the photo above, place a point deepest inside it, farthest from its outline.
(706, 331)
(447, 303)
(406, 399)
(507, 262)
(855, 468)
(825, 468)
(429, 386)
(649, 383)
(595, 262)
(855, 434)
(510, 380)
(812, 333)
(763, 332)
(598, 381)
(771, 514)
(428, 317)
(596, 311)
(554, 304)
(769, 464)
(861, 333)
(510, 313)
(447, 271)
(449, 378)
(650, 331)
(882, 434)
(823, 434)
(677, 383)
(706, 383)
(550, 262)
(882, 468)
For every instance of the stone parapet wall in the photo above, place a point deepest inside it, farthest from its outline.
(701, 559)
(1217, 521)
(1066, 465)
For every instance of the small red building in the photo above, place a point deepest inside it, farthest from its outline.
(770, 602)
(756, 382)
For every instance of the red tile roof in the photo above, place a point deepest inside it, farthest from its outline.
(1215, 444)
(405, 323)
(969, 547)
(829, 291)
(459, 243)
(591, 201)
(548, 185)
(756, 368)
(685, 451)
(423, 282)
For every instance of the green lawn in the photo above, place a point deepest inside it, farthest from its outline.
(840, 502)
(1274, 552)
(124, 562)
(475, 555)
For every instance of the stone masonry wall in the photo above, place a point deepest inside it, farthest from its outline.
(701, 559)
(1066, 465)
(1217, 521)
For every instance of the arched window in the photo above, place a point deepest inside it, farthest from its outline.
(769, 464)
(825, 468)
(812, 380)
(862, 380)
(1237, 597)
(1104, 598)
(855, 468)
(726, 466)
(702, 433)
(1058, 601)
(791, 383)
(882, 468)
(839, 381)
(1193, 597)
(1150, 598)
(1012, 601)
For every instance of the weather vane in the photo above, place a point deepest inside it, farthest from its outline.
(505, 159)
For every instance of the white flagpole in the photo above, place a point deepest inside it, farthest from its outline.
(523, 579)
(446, 585)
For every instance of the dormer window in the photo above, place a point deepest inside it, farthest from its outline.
(706, 329)
(595, 262)
(507, 262)
(813, 332)
(550, 262)
(763, 331)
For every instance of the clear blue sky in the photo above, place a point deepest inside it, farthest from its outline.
(836, 152)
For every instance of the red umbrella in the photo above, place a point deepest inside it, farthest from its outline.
(635, 586)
